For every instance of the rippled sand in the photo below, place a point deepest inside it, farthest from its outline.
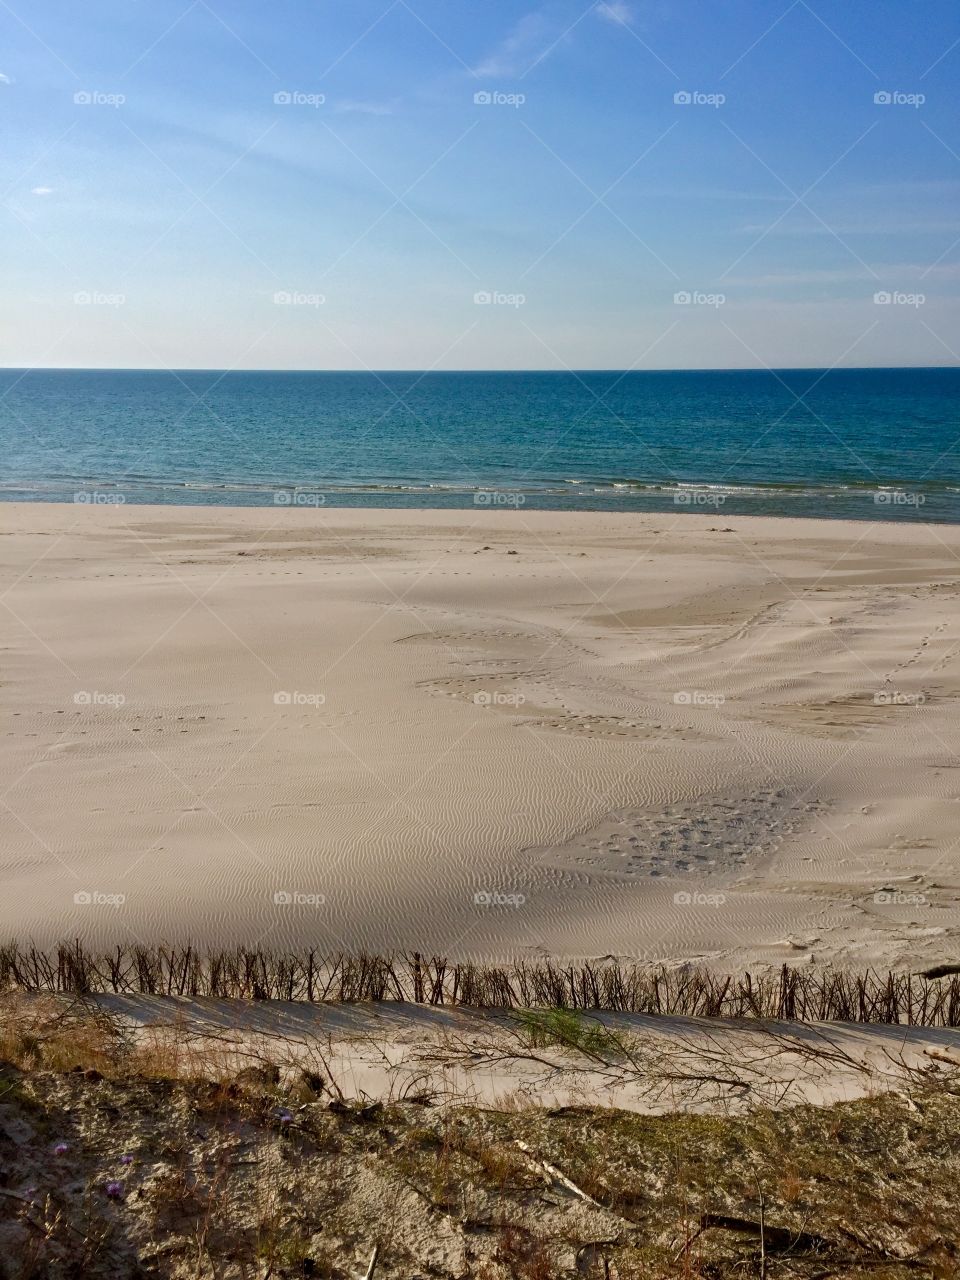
(481, 732)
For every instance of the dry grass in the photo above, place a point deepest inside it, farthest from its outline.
(240, 1170)
(50, 1033)
(797, 995)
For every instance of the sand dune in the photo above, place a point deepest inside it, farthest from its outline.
(383, 1050)
(643, 736)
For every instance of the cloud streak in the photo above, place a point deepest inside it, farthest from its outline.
(351, 107)
(615, 11)
(530, 40)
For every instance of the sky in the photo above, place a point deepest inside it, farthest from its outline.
(454, 184)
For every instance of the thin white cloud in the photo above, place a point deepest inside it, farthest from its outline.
(41, 191)
(5, 79)
(902, 271)
(615, 11)
(529, 41)
(811, 277)
(349, 107)
(885, 228)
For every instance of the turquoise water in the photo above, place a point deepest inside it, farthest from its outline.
(862, 444)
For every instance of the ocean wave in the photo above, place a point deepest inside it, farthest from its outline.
(566, 487)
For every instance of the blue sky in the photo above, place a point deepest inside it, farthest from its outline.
(163, 209)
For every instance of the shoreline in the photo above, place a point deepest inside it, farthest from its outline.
(500, 512)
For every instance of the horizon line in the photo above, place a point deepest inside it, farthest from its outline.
(798, 368)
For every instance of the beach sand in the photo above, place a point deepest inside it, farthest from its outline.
(483, 733)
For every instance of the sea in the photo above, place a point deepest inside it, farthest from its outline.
(862, 444)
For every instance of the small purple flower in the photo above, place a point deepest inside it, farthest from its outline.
(286, 1117)
(61, 1149)
(126, 1158)
(114, 1190)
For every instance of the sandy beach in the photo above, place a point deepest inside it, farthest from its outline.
(485, 733)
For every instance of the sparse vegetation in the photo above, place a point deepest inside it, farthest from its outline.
(120, 1163)
(567, 1028)
(795, 995)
